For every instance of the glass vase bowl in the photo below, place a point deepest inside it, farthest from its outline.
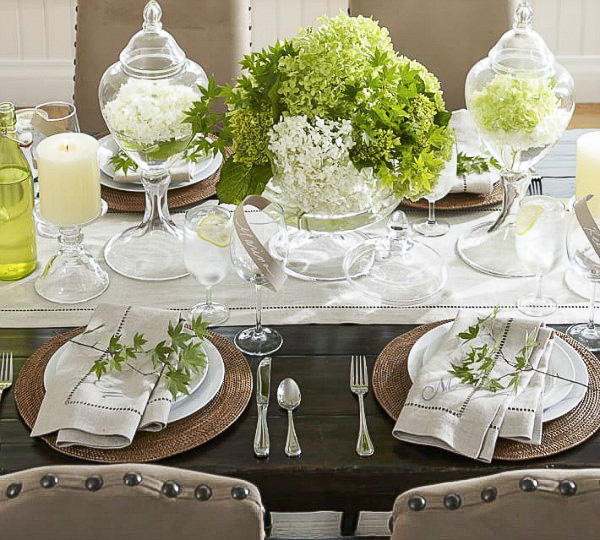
(143, 98)
(319, 240)
(521, 101)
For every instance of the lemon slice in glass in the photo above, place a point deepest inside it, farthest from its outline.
(527, 218)
(214, 229)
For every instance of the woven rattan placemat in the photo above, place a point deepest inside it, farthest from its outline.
(391, 384)
(460, 201)
(185, 434)
(134, 201)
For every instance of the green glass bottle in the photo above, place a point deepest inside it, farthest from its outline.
(17, 228)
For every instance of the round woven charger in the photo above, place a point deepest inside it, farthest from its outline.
(391, 384)
(198, 428)
(460, 201)
(135, 201)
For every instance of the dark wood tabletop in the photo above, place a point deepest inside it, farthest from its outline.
(329, 475)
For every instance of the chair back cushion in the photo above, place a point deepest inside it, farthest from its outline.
(540, 504)
(127, 502)
(214, 33)
(447, 36)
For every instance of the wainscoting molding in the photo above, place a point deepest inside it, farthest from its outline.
(37, 36)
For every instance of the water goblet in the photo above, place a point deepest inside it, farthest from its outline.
(48, 119)
(585, 262)
(430, 226)
(269, 227)
(539, 243)
(207, 235)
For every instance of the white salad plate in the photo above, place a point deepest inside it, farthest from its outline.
(560, 396)
(203, 389)
(109, 147)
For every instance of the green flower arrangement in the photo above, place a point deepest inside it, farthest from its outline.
(520, 113)
(346, 70)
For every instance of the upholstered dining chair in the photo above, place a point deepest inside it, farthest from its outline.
(447, 36)
(214, 33)
(541, 504)
(127, 502)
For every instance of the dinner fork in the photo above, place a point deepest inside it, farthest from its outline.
(359, 385)
(535, 188)
(6, 371)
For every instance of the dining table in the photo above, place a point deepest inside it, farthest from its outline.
(329, 475)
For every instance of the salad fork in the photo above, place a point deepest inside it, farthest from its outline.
(6, 371)
(359, 385)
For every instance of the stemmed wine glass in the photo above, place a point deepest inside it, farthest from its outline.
(430, 226)
(49, 119)
(584, 261)
(539, 241)
(268, 225)
(206, 254)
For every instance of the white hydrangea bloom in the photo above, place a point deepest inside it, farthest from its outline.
(313, 168)
(149, 112)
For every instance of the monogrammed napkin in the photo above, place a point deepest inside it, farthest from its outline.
(468, 142)
(441, 411)
(523, 420)
(106, 413)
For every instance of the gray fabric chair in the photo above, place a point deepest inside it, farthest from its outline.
(447, 36)
(127, 502)
(214, 33)
(540, 504)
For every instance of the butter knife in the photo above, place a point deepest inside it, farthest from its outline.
(263, 388)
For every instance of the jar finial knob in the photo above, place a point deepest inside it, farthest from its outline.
(523, 16)
(152, 16)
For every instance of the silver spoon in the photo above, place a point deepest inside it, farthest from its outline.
(288, 397)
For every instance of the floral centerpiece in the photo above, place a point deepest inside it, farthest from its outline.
(332, 121)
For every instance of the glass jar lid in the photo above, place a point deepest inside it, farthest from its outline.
(521, 51)
(397, 268)
(152, 52)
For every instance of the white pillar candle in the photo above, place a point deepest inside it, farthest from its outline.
(69, 178)
(588, 169)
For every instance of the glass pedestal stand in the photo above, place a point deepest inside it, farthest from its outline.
(490, 247)
(319, 256)
(153, 250)
(72, 275)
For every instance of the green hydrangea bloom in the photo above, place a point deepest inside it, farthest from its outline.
(250, 135)
(513, 105)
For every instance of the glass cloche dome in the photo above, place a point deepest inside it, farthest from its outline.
(143, 98)
(521, 101)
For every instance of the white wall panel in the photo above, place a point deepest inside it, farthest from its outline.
(36, 40)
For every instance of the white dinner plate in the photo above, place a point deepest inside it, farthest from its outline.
(108, 148)
(561, 396)
(214, 361)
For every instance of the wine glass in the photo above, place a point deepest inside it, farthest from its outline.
(207, 236)
(49, 119)
(268, 225)
(539, 242)
(430, 226)
(586, 263)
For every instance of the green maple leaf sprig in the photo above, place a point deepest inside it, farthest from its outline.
(122, 162)
(474, 164)
(478, 362)
(179, 357)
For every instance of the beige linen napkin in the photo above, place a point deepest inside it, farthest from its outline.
(106, 413)
(469, 143)
(440, 411)
(523, 420)
(180, 172)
